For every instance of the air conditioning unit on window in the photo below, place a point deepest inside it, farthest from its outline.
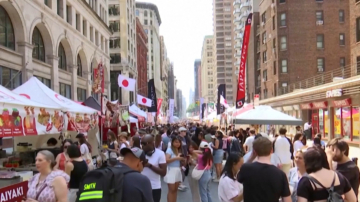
(320, 69)
(319, 22)
(263, 24)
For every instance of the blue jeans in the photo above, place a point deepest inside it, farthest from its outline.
(204, 186)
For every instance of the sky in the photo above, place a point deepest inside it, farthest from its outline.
(185, 23)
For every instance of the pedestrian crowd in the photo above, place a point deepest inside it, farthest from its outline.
(259, 167)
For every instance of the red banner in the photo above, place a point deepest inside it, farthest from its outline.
(240, 96)
(342, 103)
(159, 101)
(99, 80)
(14, 193)
(319, 105)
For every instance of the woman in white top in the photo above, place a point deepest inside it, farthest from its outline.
(85, 149)
(298, 145)
(123, 142)
(229, 189)
(113, 145)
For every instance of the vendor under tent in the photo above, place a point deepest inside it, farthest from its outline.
(266, 115)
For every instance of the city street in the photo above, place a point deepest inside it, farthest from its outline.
(186, 195)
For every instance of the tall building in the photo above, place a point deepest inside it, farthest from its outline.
(355, 35)
(178, 100)
(197, 68)
(171, 82)
(288, 56)
(123, 59)
(59, 42)
(164, 63)
(191, 96)
(224, 40)
(141, 49)
(149, 17)
(208, 71)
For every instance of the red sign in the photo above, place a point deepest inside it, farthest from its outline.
(240, 95)
(159, 101)
(99, 80)
(14, 193)
(319, 105)
(342, 103)
(306, 106)
(141, 119)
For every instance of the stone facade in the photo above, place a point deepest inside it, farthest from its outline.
(141, 40)
(355, 35)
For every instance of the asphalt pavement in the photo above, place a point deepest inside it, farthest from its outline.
(185, 196)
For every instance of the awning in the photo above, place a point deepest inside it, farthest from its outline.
(133, 109)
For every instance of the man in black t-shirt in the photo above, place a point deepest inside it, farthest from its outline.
(261, 180)
(338, 150)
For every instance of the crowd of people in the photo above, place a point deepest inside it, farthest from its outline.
(258, 167)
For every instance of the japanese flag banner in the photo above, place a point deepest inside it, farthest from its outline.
(141, 100)
(223, 102)
(126, 83)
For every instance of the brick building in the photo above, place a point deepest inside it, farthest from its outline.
(141, 44)
(355, 34)
(297, 40)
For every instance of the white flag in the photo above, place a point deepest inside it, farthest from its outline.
(126, 83)
(223, 101)
(141, 100)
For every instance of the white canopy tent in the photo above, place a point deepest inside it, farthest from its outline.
(133, 120)
(266, 115)
(36, 91)
(133, 109)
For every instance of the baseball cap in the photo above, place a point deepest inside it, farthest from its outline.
(142, 131)
(204, 145)
(182, 129)
(136, 151)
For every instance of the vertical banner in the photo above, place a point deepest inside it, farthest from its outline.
(99, 81)
(171, 110)
(152, 96)
(203, 111)
(240, 95)
(201, 115)
(159, 102)
(221, 91)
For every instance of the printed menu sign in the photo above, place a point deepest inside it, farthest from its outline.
(14, 193)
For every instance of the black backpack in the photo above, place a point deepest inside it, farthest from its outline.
(333, 196)
(103, 184)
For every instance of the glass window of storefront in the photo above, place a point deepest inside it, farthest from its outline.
(81, 94)
(346, 122)
(65, 90)
(320, 121)
(355, 123)
(39, 49)
(10, 78)
(7, 36)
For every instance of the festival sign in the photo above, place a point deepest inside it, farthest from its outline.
(99, 80)
(14, 193)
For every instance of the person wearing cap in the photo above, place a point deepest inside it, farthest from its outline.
(137, 186)
(141, 133)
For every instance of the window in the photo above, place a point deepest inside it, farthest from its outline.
(341, 16)
(7, 37)
(342, 62)
(115, 43)
(274, 66)
(263, 18)
(62, 57)
(319, 16)
(145, 13)
(274, 42)
(342, 39)
(115, 58)
(284, 66)
(265, 75)
(358, 65)
(320, 64)
(264, 37)
(79, 66)
(77, 17)
(68, 14)
(114, 26)
(145, 22)
(357, 30)
(283, 20)
(265, 93)
(137, 12)
(60, 8)
(47, 3)
(81, 94)
(264, 56)
(284, 84)
(38, 43)
(10, 78)
(84, 28)
(65, 90)
(91, 34)
(46, 82)
(283, 43)
(273, 22)
(275, 89)
(282, 1)
(320, 41)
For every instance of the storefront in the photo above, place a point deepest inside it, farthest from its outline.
(333, 109)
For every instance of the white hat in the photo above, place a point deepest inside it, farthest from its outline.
(182, 129)
(204, 145)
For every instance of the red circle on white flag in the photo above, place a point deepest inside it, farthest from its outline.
(125, 83)
(143, 100)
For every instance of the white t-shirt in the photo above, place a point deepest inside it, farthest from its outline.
(297, 146)
(158, 157)
(123, 145)
(275, 160)
(84, 149)
(249, 142)
(282, 149)
(307, 126)
(228, 189)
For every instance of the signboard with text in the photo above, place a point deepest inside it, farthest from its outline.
(14, 193)
(334, 93)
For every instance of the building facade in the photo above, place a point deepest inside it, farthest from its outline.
(179, 104)
(164, 64)
(287, 56)
(149, 17)
(122, 22)
(59, 42)
(197, 66)
(224, 46)
(208, 71)
(355, 35)
(141, 49)
(171, 82)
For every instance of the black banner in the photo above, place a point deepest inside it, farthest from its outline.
(152, 96)
(203, 108)
(221, 91)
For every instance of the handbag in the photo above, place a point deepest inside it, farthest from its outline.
(196, 173)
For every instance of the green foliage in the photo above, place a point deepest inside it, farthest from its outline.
(192, 108)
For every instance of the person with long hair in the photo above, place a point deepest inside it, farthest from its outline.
(312, 188)
(159, 142)
(62, 158)
(205, 161)
(229, 189)
(296, 173)
(192, 161)
(85, 149)
(297, 142)
(135, 141)
(218, 153)
(48, 185)
(173, 176)
(123, 140)
(113, 145)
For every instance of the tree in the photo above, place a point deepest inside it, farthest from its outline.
(192, 108)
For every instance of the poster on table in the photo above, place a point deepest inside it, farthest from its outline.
(80, 122)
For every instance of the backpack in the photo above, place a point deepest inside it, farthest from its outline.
(333, 196)
(103, 184)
